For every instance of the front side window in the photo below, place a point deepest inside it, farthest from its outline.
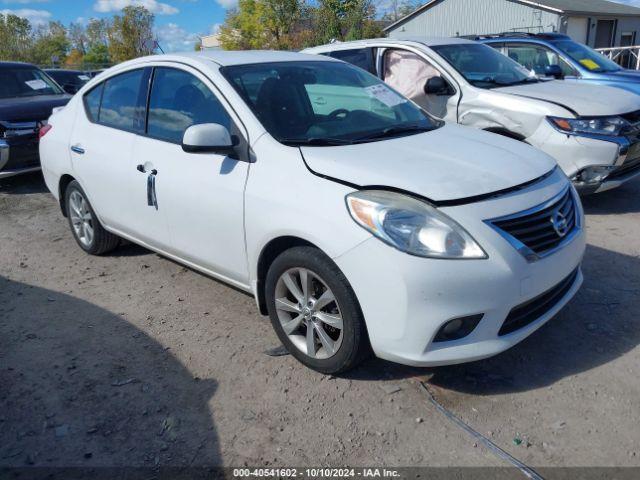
(360, 57)
(484, 67)
(179, 100)
(407, 72)
(587, 57)
(536, 58)
(324, 102)
(26, 82)
(123, 101)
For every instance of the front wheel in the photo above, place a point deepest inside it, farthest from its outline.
(85, 226)
(315, 312)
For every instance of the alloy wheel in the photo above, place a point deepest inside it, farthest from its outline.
(81, 218)
(309, 313)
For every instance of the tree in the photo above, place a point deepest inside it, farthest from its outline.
(97, 56)
(280, 18)
(78, 38)
(130, 35)
(97, 32)
(51, 44)
(15, 38)
(74, 59)
(243, 28)
(401, 8)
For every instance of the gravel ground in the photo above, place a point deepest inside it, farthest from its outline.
(133, 360)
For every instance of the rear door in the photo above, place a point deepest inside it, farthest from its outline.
(102, 143)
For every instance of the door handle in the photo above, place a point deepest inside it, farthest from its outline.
(77, 149)
(141, 169)
(152, 199)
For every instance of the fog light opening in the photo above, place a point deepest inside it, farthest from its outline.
(594, 175)
(458, 328)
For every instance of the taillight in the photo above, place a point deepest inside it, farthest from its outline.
(43, 130)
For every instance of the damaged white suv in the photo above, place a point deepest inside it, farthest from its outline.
(591, 131)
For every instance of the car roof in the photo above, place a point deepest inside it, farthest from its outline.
(229, 57)
(16, 65)
(540, 37)
(427, 41)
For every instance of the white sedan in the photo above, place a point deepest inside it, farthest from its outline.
(358, 222)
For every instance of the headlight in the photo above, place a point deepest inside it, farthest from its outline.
(597, 126)
(411, 225)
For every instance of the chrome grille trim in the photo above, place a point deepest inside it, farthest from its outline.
(531, 232)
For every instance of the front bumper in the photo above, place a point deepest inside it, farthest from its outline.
(406, 299)
(594, 163)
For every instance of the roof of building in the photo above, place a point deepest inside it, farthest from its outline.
(588, 7)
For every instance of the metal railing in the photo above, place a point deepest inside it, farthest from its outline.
(627, 57)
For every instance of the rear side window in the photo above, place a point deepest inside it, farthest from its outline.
(179, 100)
(92, 102)
(360, 57)
(123, 101)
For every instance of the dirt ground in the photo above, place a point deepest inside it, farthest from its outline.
(132, 360)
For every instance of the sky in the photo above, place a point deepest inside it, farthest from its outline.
(179, 23)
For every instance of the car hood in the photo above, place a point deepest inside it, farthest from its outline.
(622, 76)
(449, 163)
(585, 100)
(28, 109)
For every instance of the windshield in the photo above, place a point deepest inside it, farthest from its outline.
(26, 82)
(587, 57)
(325, 103)
(484, 67)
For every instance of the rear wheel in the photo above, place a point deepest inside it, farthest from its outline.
(85, 226)
(315, 312)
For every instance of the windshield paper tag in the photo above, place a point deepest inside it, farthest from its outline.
(590, 64)
(83, 78)
(37, 84)
(385, 95)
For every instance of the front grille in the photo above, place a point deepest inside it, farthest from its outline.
(542, 228)
(528, 312)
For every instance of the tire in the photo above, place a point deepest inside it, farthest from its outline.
(349, 344)
(100, 241)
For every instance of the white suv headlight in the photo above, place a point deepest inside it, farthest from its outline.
(596, 125)
(411, 225)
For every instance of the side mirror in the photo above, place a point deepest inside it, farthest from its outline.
(208, 138)
(437, 86)
(553, 71)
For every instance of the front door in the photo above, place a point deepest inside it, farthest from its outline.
(604, 33)
(199, 195)
(408, 73)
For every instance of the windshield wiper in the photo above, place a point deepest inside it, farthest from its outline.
(315, 141)
(394, 131)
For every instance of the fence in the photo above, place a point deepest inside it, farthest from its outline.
(627, 57)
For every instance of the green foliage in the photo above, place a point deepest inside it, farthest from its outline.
(15, 38)
(97, 56)
(130, 35)
(51, 45)
(291, 24)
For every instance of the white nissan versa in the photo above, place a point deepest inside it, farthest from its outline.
(592, 131)
(354, 219)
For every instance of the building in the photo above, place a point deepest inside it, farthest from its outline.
(210, 42)
(598, 23)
